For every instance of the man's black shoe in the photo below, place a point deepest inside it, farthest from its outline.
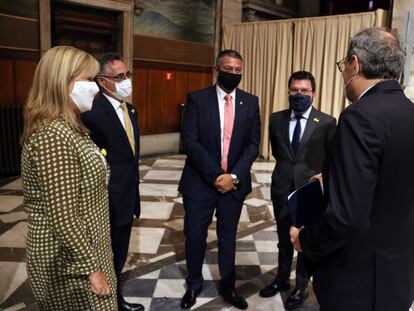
(234, 299)
(126, 306)
(189, 298)
(296, 298)
(273, 288)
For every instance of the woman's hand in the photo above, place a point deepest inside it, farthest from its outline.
(99, 283)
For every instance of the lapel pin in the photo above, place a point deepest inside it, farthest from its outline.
(316, 120)
(241, 103)
(133, 110)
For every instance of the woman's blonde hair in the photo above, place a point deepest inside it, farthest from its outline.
(48, 97)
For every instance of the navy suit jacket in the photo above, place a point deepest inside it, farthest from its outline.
(363, 248)
(107, 132)
(202, 143)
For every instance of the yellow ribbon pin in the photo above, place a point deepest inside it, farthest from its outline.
(103, 151)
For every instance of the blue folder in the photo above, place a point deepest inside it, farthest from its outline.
(306, 204)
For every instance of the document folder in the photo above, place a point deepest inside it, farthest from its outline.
(306, 204)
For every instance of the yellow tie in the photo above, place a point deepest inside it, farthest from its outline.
(128, 126)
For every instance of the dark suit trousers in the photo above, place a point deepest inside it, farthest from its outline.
(198, 216)
(286, 254)
(120, 236)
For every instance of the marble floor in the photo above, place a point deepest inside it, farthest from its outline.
(155, 270)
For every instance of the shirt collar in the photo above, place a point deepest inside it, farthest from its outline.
(221, 93)
(305, 115)
(364, 92)
(114, 102)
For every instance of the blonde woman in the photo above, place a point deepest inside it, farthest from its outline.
(69, 256)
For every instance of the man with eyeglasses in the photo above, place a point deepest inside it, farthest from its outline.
(113, 127)
(363, 247)
(300, 137)
(221, 137)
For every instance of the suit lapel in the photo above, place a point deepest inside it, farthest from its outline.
(285, 131)
(111, 114)
(215, 114)
(238, 113)
(311, 124)
(133, 117)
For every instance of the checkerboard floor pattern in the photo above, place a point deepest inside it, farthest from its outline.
(255, 254)
(155, 271)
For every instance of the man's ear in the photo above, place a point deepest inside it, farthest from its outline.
(356, 65)
(216, 71)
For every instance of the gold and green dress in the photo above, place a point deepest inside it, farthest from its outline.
(65, 195)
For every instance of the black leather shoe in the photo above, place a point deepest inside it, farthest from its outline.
(273, 288)
(189, 299)
(296, 298)
(234, 299)
(126, 306)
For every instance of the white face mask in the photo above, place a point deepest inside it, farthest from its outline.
(83, 93)
(349, 81)
(123, 90)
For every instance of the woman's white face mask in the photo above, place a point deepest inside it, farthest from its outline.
(83, 93)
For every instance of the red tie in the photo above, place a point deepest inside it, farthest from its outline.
(227, 130)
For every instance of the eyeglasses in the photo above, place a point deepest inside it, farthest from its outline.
(341, 64)
(119, 78)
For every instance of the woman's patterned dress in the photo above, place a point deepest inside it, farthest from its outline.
(65, 195)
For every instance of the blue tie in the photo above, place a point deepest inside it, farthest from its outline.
(296, 134)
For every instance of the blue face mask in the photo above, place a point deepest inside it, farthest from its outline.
(299, 102)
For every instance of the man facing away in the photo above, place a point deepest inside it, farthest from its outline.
(363, 248)
(221, 137)
(300, 137)
(113, 125)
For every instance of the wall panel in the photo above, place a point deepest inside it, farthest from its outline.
(24, 72)
(6, 82)
(159, 91)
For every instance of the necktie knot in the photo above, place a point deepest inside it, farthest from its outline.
(228, 99)
(124, 107)
(298, 117)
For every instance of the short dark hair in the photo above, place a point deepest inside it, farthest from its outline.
(379, 53)
(303, 75)
(230, 53)
(107, 58)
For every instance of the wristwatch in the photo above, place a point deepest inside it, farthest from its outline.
(236, 180)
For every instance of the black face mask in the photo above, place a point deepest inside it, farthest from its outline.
(299, 102)
(228, 81)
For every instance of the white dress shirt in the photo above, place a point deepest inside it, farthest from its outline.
(221, 102)
(363, 93)
(119, 112)
(303, 121)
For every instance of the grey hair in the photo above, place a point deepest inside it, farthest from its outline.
(379, 53)
(230, 53)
